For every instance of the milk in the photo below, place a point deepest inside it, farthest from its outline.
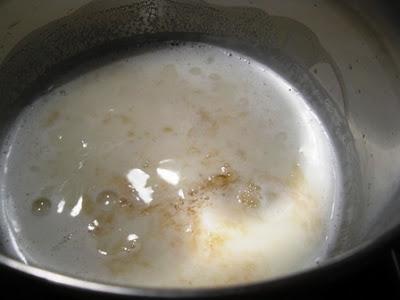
(190, 166)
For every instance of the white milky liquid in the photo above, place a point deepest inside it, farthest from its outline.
(174, 168)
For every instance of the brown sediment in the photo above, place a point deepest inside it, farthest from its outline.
(214, 243)
(225, 177)
(180, 215)
(250, 197)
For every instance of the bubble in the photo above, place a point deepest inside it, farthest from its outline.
(118, 246)
(93, 226)
(41, 206)
(107, 199)
(132, 243)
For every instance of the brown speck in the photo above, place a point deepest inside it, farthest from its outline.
(146, 164)
(12, 25)
(52, 119)
(130, 133)
(272, 196)
(226, 176)
(193, 192)
(148, 210)
(315, 71)
(124, 119)
(168, 129)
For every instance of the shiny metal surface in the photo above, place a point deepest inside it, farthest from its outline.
(353, 49)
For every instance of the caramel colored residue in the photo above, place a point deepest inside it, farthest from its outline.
(168, 129)
(52, 119)
(214, 242)
(150, 209)
(296, 178)
(124, 119)
(250, 197)
(304, 201)
(122, 185)
(178, 218)
(226, 177)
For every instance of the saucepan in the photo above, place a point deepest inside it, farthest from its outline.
(340, 57)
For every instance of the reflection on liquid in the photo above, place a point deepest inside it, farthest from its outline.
(60, 206)
(193, 191)
(75, 211)
(181, 194)
(169, 176)
(138, 180)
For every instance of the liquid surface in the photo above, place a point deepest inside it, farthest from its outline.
(179, 167)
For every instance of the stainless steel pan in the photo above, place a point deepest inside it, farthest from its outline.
(343, 57)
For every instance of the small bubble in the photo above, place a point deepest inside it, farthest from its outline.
(106, 199)
(132, 243)
(93, 226)
(41, 206)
